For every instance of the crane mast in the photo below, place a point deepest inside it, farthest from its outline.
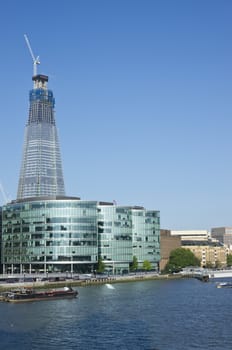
(36, 60)
(4, 196)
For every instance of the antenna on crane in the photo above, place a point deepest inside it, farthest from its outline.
(36, 60)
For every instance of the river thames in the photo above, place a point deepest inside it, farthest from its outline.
(151, 315)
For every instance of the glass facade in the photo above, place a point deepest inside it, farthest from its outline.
(49, 236)
(41, 169)
(115, 238)
(125, 232)
(68, 234)
(146, 236)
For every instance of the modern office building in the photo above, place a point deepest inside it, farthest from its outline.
(49, 234)
(41, 169)
(66, 234)
(125, 232)
(223, 235)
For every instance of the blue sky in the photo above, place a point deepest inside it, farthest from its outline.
(143, 101)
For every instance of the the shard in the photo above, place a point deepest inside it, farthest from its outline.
(41, 169)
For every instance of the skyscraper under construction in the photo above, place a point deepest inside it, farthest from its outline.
(41, 169)
(45, 231)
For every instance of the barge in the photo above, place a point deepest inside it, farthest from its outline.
(27, 295)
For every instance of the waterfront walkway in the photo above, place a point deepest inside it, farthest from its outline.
(59, 280)
(52, 281)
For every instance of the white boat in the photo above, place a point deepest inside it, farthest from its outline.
(224, 285)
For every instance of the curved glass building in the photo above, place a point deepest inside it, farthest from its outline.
(41, 169)
(63, 234)
(49, 235)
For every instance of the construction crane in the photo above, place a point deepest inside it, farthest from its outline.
(36, 60)
(4, 196)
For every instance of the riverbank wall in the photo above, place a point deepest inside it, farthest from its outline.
(85, 282)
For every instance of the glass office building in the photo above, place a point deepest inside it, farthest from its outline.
(41, 169)
(49, 235)
(65, 234)
(125, 232)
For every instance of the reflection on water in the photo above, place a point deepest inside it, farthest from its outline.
(25, 317)
(151, 315)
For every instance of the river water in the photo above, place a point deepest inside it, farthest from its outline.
(150, 315)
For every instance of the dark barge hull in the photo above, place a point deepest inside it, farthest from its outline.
(29, 296)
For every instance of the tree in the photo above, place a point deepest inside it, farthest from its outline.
(134, 264)
(100, 265)
(229, 260)
(146, 265)
(180, 258)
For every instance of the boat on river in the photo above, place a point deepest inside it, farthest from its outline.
(224, 285)
(25, 295)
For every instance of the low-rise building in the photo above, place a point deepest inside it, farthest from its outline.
(191, 235)
(209, 251)
(168, 243)
(209, 255)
